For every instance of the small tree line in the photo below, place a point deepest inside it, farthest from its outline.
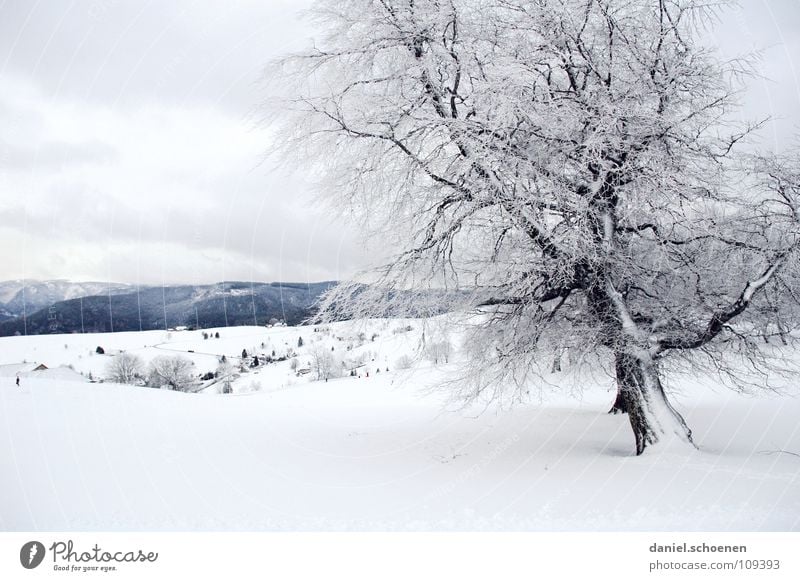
(164, 371)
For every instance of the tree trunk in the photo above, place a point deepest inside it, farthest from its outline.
(556, 367)
(643, 398)
(619, 406)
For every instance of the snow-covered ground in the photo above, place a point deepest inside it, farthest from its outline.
(368, 453)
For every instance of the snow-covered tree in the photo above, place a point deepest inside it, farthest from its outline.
(439, 351)
(324, 363)
(125, 368)
(170, 372)
(404, 362)
(224, 368)
(571, 169)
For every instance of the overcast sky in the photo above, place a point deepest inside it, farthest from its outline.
(128, 151)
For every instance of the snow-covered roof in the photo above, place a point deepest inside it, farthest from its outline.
(13, 369)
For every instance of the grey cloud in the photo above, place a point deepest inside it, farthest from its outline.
(122, 52)
(56, 155)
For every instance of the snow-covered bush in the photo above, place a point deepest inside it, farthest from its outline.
(252, 387)
(403, 362)
(403, 329)
(439, 351)
(170, 372)
(125, 368)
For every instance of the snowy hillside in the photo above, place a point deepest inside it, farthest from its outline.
(63, 307)
(377, 450)
(18, 297)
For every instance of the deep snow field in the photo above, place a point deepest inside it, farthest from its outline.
(384, 452)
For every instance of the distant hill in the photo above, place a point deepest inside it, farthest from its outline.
(59, 306)
(20, 297)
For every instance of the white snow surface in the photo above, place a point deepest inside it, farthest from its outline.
(384, 452)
